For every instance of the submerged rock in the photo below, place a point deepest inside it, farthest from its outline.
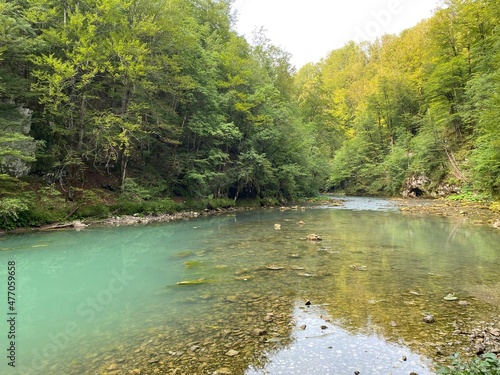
(358, 268)
(242, 272)
(259, 332)
(269, 317)
(304, 274)
(182, 254)
(244, 277)
(232, 353)
(429, 319)
(223, 371)
(274, 267)
(192, 264)
(112, 367)
(313, 237)
(450, 297)
(192, 282)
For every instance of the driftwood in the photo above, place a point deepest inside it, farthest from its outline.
(57, 226)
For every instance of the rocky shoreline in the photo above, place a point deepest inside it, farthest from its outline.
(126, 220)
(484, 337)
(472, 212)
(267, 327)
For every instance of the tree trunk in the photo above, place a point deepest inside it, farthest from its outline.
(123, 168)
(81, 129)
(454, 165)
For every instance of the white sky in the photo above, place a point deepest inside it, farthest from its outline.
(310, 29)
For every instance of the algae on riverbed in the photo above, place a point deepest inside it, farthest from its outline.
(118, 285)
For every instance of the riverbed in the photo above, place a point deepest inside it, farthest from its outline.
(247, 293)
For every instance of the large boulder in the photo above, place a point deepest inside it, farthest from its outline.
(18, 147)
(416, 186)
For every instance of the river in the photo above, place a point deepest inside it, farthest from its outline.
(233, 294)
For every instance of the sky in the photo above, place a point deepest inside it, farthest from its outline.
(310, 29)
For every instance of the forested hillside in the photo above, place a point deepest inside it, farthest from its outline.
(150, 99)
(415, 113)
(119, 106)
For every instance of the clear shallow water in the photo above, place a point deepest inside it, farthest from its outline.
(104, 300)
(362, 204)
(320, 347)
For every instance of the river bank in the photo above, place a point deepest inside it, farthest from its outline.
(253, 274)
(124, 220)
(472, 212)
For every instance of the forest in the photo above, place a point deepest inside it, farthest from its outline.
(137, 106)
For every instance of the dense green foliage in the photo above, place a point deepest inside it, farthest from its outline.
(487, 364)
(424, 103)
(123, 105)
(161, 96)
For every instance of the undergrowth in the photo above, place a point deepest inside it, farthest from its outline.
(487, 364)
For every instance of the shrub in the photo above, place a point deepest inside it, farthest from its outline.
(214, 204)
(157, 206)
(160, 206)
(10, 210)
(469, 195)
(133, 191)
(209, 203)
(39, 215)
(91, 210)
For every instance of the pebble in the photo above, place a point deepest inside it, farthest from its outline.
(112, 367)
(313, 237)
(259, 332)
(429, 319)
(222, 371)
(233, 341)
(269, 317)
(232, 353)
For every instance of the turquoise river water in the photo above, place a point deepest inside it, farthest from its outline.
(258, 300)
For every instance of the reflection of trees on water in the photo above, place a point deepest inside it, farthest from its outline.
(382, 272)
(373, 272)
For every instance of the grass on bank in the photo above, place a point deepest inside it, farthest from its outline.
(468, 195)
(23, 206)
(32, 204)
